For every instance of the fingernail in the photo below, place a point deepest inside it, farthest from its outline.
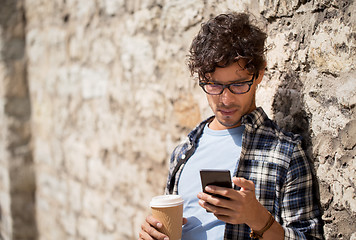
(166, 238)
(199, 195)
(159, 225)
(207, 188)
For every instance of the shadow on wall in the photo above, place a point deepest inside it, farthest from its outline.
(290, 115)
(288, 108)
(17, 112)
(1, 237)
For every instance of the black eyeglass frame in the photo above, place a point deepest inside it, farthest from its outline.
(249, 83)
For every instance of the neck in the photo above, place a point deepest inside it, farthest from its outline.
(216, 125)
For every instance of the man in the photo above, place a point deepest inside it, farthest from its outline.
(273, 188)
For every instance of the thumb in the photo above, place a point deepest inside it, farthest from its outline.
(243, 183)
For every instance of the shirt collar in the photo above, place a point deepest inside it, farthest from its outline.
(256, 118)
(195, 134)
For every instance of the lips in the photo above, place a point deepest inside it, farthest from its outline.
(227, 112)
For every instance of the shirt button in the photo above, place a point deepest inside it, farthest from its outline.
(183, 156)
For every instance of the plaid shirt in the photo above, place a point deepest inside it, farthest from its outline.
(277, 165)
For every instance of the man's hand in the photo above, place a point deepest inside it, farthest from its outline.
(150, 229)
(241, 207)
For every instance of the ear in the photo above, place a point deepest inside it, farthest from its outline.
(261, 73)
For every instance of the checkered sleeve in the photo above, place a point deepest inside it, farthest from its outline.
(176, 161)
(172, 163)
(300, 212)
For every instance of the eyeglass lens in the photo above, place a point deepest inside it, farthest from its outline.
(234, 88)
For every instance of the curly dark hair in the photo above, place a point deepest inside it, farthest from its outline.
(224, 39)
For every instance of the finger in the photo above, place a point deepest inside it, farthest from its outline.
(232, 203)
(215, 205)
(149, 232)
(153, 222)
(215, 200)
(203, 196)
(223, 214)
(144, 236)
(225, 192)
(206, 205)
(244, 183)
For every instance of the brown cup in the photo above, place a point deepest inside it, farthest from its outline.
(168, 209)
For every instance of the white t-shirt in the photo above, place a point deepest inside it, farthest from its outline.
(217, 149)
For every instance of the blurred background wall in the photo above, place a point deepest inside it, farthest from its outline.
(95, 94)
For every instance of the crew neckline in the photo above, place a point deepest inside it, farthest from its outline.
(224, 132)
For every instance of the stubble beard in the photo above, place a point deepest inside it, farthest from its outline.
(229, 124)
(227, 121)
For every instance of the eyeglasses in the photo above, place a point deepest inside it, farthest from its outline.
(236, 87)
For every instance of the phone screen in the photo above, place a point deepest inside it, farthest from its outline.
(221, 178)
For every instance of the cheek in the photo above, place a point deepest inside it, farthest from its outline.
(248, 102)
(248, 97)
(211, 100)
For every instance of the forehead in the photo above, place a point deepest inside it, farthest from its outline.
(233, 72)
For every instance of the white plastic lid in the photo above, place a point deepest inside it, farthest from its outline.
(166, 201)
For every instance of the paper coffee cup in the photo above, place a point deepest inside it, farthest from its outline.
(168, 209)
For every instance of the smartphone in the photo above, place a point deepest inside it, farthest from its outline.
(221, 178)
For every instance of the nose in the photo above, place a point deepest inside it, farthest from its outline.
(226, 97)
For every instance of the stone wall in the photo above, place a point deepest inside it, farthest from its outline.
(109, 96)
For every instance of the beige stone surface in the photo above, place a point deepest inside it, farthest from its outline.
(94, 95)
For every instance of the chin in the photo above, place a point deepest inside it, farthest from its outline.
(230, 124)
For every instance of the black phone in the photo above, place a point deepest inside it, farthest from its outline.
(220, 178)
